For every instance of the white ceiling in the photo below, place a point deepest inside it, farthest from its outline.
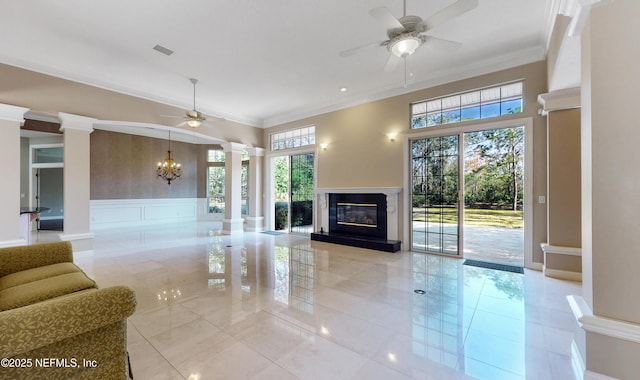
(260, 62)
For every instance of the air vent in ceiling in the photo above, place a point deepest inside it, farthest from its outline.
(163, 50)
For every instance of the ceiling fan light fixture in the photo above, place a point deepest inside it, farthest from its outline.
(194, 123)
(404, 45)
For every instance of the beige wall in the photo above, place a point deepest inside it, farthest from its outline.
(359, 154)
(615, 158)
(611, 183)
(47, 94)
(564, 201)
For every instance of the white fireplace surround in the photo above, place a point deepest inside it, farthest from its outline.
(393, 217)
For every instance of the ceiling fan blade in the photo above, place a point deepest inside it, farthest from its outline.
(171, 116)
(445, 14)
(384, 15)
(391, 64)
(183, 124)
(440, 43)
(355, 50)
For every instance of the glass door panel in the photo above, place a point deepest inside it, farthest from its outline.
(493, 196)
(301, 206)
(434, 198)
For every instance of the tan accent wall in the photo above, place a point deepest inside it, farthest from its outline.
(359, 153)
(564, 201)
(124, 167)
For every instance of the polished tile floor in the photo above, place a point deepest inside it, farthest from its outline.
(281, 307)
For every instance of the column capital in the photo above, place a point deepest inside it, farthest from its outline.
(12, 113)
(564, 99)
(233, 147)
(77, 122)
(256, 151)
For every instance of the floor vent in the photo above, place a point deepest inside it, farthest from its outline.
(502, 267)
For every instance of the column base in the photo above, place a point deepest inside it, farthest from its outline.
(80, 242)
(564, 263)
(230, 226)
(255, 223)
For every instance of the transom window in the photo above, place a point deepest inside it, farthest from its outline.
(481, 104)
(294, 138)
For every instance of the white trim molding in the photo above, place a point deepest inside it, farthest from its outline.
(71, 121)
(600, 325)
(559, 100)
(12, 113)
(597, 325)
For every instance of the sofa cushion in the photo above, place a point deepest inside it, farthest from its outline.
(44, 289)
(35, 274)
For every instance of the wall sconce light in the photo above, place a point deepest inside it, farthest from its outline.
(324, 146)
(392, 136)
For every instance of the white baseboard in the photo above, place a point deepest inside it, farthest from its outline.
(12, 243)
(577, 362)
(562, 274)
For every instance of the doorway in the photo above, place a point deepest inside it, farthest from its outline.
(293, 184)
(46, 184)
(467, 194)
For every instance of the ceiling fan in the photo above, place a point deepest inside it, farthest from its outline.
(193, 118)
(405, 34)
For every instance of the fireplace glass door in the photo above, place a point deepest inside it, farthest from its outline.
(434, 198)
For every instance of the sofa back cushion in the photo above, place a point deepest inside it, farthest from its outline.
(35, 274)
(16, 259)
(44, 289)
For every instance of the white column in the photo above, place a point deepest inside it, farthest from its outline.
(10, 119)
(255, 220)
(232, 188)
(77, 130)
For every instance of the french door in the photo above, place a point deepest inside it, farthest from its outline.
(467, 195)
(293, 180)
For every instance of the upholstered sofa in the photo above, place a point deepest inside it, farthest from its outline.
(55, 323)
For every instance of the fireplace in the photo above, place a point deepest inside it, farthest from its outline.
(357, 219)
(358, 214)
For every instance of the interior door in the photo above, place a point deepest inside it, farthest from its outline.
(435, 197)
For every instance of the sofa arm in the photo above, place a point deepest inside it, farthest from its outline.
(16, 259)
(29, 327)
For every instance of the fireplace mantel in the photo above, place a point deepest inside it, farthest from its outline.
(348, 190)
(393, 217)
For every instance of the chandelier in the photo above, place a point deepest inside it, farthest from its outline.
(169, 170)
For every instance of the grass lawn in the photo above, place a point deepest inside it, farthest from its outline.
(478, 217)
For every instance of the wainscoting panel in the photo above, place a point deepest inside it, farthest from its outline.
(127, 212)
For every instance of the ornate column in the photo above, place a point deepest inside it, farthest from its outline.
(255, 220)
(10, 119)
(233, 221)
(76, 180)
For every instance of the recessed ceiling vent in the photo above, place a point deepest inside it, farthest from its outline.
(163, 50)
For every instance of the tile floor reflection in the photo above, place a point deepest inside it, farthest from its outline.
(282, 307)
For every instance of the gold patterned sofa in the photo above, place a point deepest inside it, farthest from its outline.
(55, 323)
